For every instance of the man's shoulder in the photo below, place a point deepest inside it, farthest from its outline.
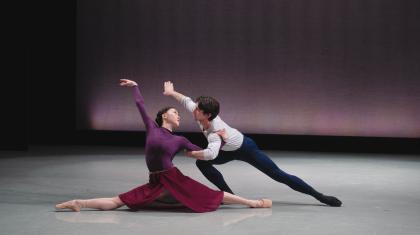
(217, 122)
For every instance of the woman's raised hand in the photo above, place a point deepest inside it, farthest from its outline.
(127, 83)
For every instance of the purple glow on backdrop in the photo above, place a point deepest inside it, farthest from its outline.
(347, 68)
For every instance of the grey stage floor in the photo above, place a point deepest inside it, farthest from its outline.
(381, 194)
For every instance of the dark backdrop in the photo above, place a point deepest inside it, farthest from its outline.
(52, 72)
(297, 67)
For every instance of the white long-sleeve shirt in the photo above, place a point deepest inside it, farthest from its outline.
(233, 141)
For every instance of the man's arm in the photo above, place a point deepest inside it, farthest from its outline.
(211, 151)
(168, 90)
(184, 100)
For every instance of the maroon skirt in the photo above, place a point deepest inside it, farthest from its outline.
(187, 191)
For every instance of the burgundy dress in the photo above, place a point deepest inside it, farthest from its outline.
(161, 147)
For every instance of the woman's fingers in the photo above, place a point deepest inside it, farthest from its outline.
(126, 82)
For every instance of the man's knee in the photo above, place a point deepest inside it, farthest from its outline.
(202, 164)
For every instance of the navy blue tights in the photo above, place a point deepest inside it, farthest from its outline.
(250, 153)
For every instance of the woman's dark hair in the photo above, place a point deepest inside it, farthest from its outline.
(159, 119)
(208, 105)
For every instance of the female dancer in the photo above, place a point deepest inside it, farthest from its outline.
(165, 180)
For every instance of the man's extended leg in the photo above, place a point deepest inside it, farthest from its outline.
(250, 153)
(212, 174)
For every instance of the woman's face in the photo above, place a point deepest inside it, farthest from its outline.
(172, 117)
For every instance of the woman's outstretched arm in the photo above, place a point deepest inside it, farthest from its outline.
(148, 122)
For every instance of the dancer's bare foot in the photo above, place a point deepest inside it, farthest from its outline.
(262, 203)
(73, 205)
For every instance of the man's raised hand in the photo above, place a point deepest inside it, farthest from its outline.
(168, 88)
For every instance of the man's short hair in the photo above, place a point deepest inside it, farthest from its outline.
(208, 105)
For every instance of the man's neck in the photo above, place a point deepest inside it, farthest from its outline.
(205, 123)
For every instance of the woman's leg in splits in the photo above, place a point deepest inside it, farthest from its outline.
(234, 199)
(164, 200)
(95, 203)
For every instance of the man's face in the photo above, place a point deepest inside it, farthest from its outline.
(199, 114)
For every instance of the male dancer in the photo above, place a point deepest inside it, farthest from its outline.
(235, 146)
